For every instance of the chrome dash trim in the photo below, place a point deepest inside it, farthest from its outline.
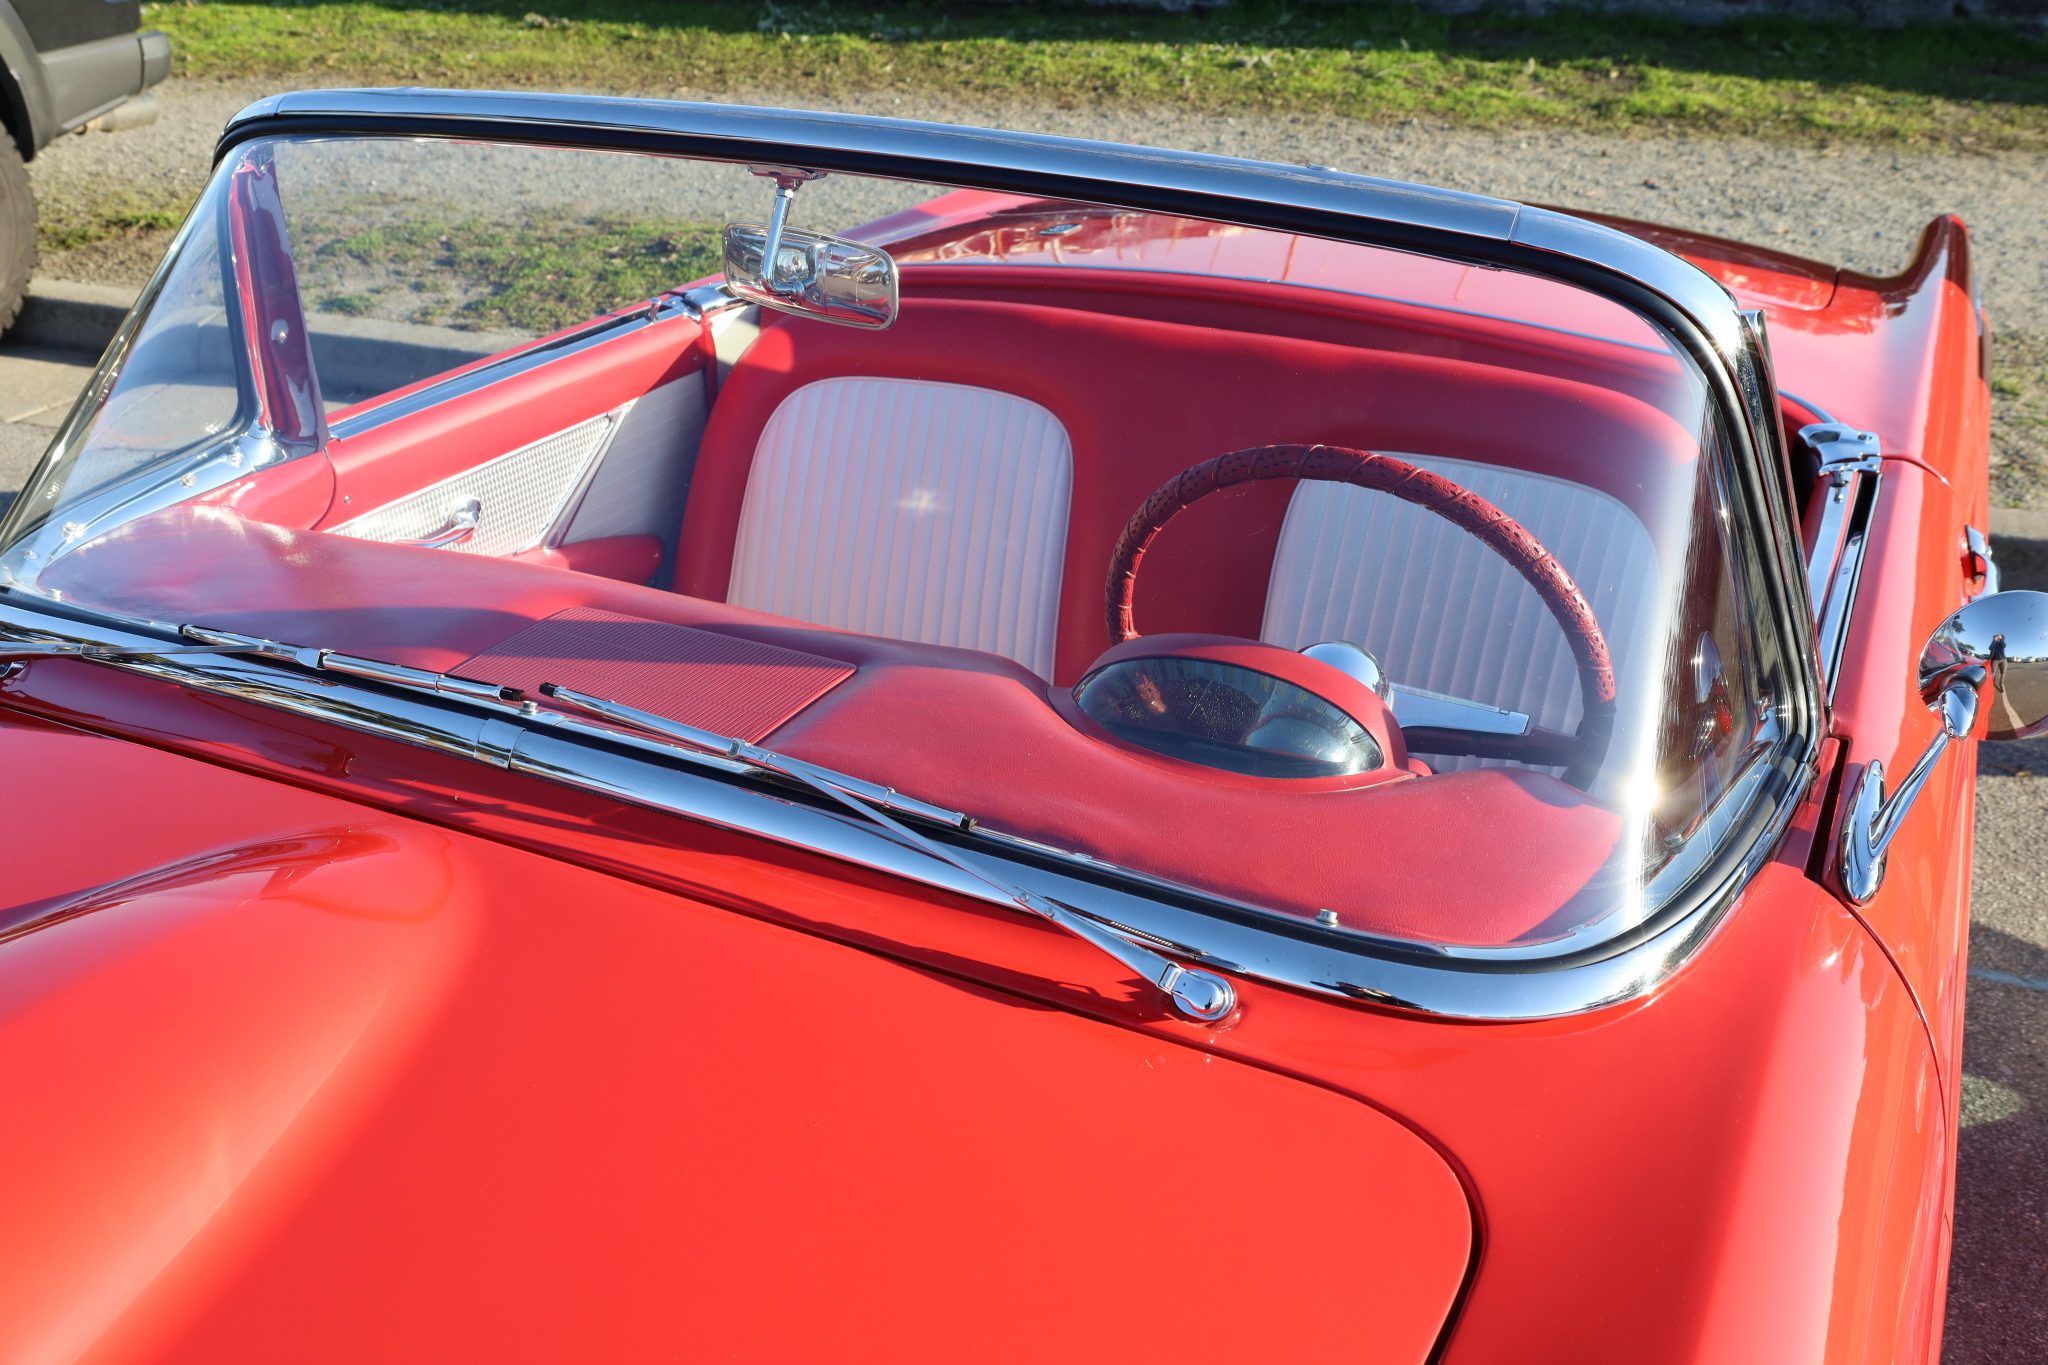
(1212, 931)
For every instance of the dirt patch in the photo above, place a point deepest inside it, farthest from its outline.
(126, 260)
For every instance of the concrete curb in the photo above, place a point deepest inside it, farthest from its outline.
(2019, 523)
(67, 316)
(64, 315)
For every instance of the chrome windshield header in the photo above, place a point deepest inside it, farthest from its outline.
(1265, 193)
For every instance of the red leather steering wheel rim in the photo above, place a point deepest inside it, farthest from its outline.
(1458, 505)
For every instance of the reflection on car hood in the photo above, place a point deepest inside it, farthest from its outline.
(345, 1077)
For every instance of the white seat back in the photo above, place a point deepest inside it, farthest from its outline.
(911, 510)
(1442, 611)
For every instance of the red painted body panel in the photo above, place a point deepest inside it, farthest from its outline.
(1707, 1175)
(618, 1124)
(399, 1056)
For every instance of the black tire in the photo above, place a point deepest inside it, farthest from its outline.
(17, 232)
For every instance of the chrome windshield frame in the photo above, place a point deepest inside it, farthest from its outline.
(1686, 306)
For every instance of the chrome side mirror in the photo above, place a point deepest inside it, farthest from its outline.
(1987, 662)
(2000, 639)
(808, 273)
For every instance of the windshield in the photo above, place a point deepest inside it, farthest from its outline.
(1392, 594)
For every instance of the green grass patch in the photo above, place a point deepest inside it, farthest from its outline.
(530, 277)
(1961, 84)
(67, 228)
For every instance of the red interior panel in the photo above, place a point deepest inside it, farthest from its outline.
(724, 683)
(1201, 391)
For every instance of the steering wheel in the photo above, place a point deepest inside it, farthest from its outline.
(1460, 506)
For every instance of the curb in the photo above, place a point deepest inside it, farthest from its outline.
(2019, 523)
(67, 316)
(64, 315)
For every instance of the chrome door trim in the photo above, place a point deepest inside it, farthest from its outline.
(1214, 931)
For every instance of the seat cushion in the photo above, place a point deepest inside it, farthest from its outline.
(1442, 611)
(913, 510)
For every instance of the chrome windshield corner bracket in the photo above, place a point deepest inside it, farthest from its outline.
(1851, 463)
(1874, 818)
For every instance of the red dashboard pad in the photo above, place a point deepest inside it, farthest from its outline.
(701, 677)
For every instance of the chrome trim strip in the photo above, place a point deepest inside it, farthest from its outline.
(485, 373)
(1212, 931)
(1851, 472)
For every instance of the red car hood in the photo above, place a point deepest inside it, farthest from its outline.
(347, 1086)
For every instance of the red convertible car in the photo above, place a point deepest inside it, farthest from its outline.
(649, 731)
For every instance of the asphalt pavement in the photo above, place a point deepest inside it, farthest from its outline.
(1823, 202)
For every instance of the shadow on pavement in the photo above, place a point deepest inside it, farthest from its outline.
(1995, 1308)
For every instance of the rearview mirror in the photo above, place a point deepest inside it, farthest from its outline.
(814, 276)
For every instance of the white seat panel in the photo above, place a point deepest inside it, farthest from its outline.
(911, 510)
(1442, 611)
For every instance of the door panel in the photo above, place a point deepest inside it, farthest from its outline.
(521, 451)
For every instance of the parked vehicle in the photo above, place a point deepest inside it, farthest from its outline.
(64, 65)
(646, 730)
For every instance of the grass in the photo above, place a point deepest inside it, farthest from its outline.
(484, 275)
(1961, 84)
(126, 214)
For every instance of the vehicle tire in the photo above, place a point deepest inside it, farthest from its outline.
(17, 232)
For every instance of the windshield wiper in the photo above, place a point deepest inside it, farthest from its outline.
(1194, 992)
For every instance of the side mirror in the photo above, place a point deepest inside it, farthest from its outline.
(1997, 648)
(1988, 663)
(812, 275)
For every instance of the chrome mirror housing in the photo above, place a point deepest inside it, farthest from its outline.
(814, 276)
(2000, 639)
(1987, 663)
(810, 274)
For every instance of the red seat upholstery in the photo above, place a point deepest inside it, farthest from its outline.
(1142, 398)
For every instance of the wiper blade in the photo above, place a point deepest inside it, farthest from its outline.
(1194, 992)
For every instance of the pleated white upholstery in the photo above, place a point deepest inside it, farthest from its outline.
(1442, 611)
(911, 510)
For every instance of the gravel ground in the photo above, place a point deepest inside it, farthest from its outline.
(1861, 207)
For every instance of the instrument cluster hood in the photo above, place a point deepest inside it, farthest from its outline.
(296, 1077)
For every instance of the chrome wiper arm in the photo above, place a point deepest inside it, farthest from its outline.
(205, 640)
(83, 649)
(1194, 992)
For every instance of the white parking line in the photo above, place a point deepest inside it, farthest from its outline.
(2029, 983)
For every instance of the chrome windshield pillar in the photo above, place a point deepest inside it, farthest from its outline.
(1850, 468)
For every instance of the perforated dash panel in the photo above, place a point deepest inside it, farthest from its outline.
(701, 677)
